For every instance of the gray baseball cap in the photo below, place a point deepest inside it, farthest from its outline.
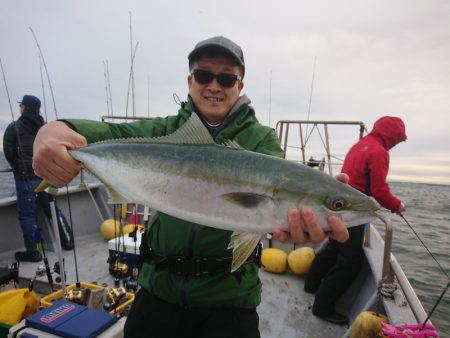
(218, 43)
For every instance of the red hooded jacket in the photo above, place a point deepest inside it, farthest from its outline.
(367, 162)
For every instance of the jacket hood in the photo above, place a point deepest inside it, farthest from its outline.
(34, 118)
(390, 130)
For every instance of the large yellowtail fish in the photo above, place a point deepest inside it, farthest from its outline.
(188, 176)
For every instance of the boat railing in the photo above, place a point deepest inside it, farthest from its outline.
(298, 135)
(393, 273)
(318, 127)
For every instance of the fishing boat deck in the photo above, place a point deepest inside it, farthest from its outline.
(283, 312)
(92, 254)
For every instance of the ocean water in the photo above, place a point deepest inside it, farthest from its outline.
(428, 212)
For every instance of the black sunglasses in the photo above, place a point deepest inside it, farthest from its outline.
(225, 80)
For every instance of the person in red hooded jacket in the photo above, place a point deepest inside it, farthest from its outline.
(337, 264)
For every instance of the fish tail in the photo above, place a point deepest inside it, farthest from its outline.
(42, 186)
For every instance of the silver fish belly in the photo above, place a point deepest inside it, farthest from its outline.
(220, 186)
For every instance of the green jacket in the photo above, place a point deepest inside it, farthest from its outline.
(172, 236)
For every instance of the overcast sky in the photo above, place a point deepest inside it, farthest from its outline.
(373, 58)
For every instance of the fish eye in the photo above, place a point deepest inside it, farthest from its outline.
(337, 204)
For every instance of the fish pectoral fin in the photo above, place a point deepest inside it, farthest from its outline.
(246, 199)
(243, 244)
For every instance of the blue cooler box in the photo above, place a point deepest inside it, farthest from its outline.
(70, 320)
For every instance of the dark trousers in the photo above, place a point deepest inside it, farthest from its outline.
(333, 270)
(151, 317)
(27, 201)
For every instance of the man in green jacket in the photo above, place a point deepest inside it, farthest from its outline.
(178, 296)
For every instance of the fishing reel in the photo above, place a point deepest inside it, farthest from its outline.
(92, 298)
(78, 296)
(117, 267)
(57, 270)
(131, 284)
(114, 298)
(40, 271)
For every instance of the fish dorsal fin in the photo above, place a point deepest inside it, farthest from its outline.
(193, 131)
(232, 144)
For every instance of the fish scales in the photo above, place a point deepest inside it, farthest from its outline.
(225, 187)
(186, 181)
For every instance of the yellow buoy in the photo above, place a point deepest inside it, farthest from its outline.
(109, 231)
(110, 228)
(300, 260)
(274, 260)
(130, 228)
(368, 325)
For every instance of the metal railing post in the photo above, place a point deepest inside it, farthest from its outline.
(388, 274)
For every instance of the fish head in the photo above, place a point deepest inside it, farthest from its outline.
(350, 205)
(327, 196)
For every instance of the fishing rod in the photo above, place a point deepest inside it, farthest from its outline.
(132, 281)
(7, 94)
(106, 88)
(440, 266)
(109, 87)
(72, 236)
(132, 55)
(54, 210)
(52, 203)
(270, 97)
(43, 89)
(130, 78)
(46, 71)
(20, 149)
(19, 144)
(417, 235)
(148, 95)
(311, 92)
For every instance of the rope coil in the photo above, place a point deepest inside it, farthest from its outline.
(392, 291)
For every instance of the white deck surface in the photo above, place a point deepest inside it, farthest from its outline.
(285, 311)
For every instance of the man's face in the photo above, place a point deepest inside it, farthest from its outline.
(213, 100)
